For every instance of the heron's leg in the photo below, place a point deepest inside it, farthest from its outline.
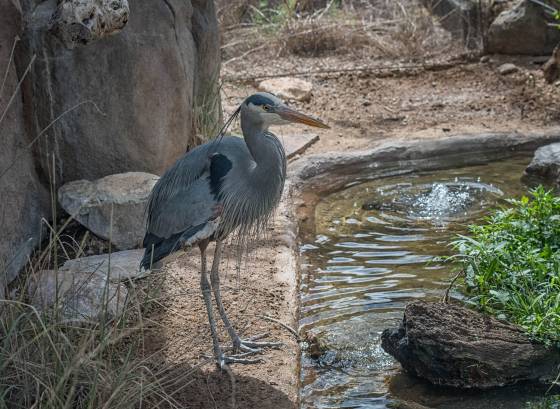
(215, 279)
(221, 359)
(238, 344)
(205, 287)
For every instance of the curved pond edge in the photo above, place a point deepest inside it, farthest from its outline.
(314, 176)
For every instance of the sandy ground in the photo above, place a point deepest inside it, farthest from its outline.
(363, 110)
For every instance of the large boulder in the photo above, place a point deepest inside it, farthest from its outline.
(545, 166)
(522, 29)
(24, 199)
(138, 89)
(112, 207)
(451, 345)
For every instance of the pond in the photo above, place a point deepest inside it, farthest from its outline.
(373, 249)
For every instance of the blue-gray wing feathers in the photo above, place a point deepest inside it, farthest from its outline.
(183, 203)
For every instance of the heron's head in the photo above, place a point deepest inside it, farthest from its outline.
(270, 110)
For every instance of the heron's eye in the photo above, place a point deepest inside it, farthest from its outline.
(266, 107)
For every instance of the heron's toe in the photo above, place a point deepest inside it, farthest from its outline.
(253, 346)
(225, 360)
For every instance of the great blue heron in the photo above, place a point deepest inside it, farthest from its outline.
(226, 185)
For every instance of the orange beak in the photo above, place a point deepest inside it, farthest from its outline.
(292, 115)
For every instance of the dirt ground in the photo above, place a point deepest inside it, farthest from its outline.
(363, 109)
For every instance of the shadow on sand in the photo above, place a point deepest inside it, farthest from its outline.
(212, 388)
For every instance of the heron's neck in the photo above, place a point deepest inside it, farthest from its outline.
(264, 150)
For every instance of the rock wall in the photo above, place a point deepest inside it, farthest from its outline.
(144, 82)
(109, 103)
(23, 200)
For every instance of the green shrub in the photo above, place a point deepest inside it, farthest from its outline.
(551, 7)
(512, 264)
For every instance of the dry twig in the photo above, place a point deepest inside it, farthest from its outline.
(287, 327)
(446, 296)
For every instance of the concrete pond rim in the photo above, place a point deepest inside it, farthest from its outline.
(313, 177)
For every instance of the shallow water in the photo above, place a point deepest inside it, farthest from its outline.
(375, 248)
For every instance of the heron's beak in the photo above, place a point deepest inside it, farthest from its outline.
(292, 115)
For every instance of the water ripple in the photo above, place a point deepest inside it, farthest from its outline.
(375, 249)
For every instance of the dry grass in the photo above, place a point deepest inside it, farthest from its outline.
(384, 28)
(48, 362)
(206, 112)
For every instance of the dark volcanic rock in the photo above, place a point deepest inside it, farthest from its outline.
(551, 69)
(454, 346)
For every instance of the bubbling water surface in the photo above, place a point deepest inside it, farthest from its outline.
(375, 248)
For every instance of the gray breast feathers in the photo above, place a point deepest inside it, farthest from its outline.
(251, 192)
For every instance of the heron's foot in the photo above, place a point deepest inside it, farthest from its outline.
(222, 360)
(252, 345)
(238, 359)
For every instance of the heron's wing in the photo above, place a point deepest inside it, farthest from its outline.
(188, 207)
(183, 207)
(179, 208)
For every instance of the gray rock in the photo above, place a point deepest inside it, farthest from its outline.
(288, 88)
(80, 297)
(112, 207)
(507, 68)
(522, 29)
(545, 166)
(24, 199)
(451, 345)
(551, 68)
(124, 265)
(83, 21)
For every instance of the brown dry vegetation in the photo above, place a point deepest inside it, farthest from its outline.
(382, 28)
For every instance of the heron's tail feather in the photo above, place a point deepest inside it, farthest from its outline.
(157, 248)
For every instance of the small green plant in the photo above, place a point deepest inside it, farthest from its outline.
(512, 264)
(552, 10)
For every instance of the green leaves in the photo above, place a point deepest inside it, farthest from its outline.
(512, 264)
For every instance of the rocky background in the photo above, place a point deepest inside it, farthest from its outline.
(515, 27)
(94, 88)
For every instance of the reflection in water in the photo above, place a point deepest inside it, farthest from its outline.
(374, 250)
